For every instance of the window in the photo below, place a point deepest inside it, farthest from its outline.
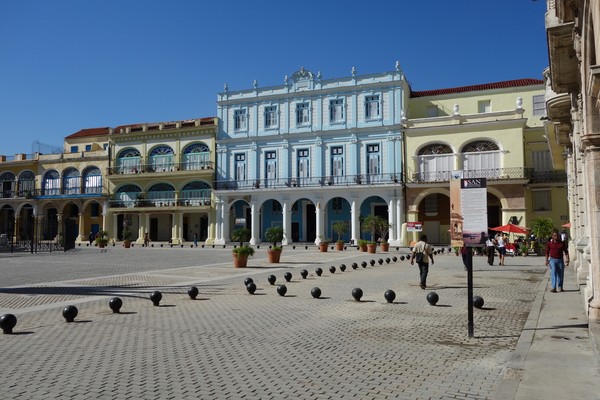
(271, 117)
(303, 164)
(74, 149)
(337, 205)
(240, 120)
(541, 200)
(435, 161)
(483, 157)
(270, 165)
(95, 210)
(373, 159)
(372, 107)
(541, 160)
(337, 161)
(88, 147)
(539, 105)
(162, 159)
(302, 114)
(336, 110)
(240, 167)
(432, 111)
(484, 106)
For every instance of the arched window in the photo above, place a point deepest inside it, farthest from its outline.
(481, 159)
(196, 156)
(127, 195)
(7, 184)
(92, 180)
(161, 194)
(196, 193)
(435, 162)
(71, 181)
(162, 159)
(26, 184)
(129, 161)
(51, 183)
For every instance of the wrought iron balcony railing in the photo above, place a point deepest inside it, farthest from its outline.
(157, 168)
(549, 177)
(304, 182)
(490, 174)
(196, 202)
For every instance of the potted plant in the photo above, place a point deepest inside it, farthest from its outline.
(323, 244)
(126, 234)
(241, 253)
(383, 227)
(101, 239)
(542, 229)
(362, 245)
(523, 248)
(371, 224)
(340, 227)
(274, 235)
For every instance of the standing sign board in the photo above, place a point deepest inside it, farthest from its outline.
(473, 196)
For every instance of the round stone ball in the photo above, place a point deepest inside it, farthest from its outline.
(389, 295)
(287, 276)
(477, 301)
(247, 281)
(304, 274)
(251, 287)
(363, 264)
(342, 267)
(315, 292)
(354, 265)
(115, 304)
(357, 293)
(281, 290)
(432, 298)
(69, 313)
(271, 279)
(7, 323)
(318, 271)
(332, 269)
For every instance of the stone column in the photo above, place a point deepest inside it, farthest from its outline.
(81, 237)
(287, 223)
(354, 223)
(255, 224)
(320, 223)
(592, 155)
(392, 220)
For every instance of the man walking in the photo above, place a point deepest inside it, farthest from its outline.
(422, 252)
(556, 249)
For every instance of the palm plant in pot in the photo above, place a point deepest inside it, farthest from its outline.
(126, 234)
(241, 253)
(371, 224)
(340, 227)
(274, 235)
(383, 227)
(101, 239)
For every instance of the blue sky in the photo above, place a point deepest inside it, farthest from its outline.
(66, 65)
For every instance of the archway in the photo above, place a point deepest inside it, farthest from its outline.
(434, 212)
(304, 221)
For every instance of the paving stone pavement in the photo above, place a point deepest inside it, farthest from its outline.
(228, 344)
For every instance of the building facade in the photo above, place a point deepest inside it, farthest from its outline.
(573, 128)
(491, 131)
(311, 152)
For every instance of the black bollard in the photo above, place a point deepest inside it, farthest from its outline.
(251, 287)
(193, 292)
(271, 279)
(477, 301)
(332, 269)
(432, 298)
(364, 264)
(294, 247)
(304, 273)
(318, 271)
(372, 262)
(387, 260)
(7, 323)
(401, 258)
(389, 295)
(115, 304)
(69, 313)
(248, 280)
(354, 265)
(342, 267)
(287, 276)
(394, 259)
(305, 247)
(380, 261)
(315, 292)
(357, 293)
(156, 297)
(282, 290)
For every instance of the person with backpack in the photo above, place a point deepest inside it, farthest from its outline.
(422, 252)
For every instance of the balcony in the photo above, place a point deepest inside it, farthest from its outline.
(167, 167)
(549, 177)
(493, 174)
(160, 203)
(310, 182)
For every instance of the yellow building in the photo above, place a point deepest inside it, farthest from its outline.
(161, 177)
(493, 131)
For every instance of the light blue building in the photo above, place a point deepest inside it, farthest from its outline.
(311, 152)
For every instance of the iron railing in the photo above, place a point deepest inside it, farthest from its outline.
(490, 174)
(304, 182)
(158, 168)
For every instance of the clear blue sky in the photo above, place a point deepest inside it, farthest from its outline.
(66, 65)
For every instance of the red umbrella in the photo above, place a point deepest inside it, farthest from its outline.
(567, 225)
(511, 228)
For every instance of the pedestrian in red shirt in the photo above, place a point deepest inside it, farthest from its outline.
(556, 251)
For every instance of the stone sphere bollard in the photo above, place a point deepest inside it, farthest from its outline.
(248, 280)
(357, 293)
(271, 279)
(389, 295)
(318, 271)
(477, 301)
(354, 265)
(315, 292)
(282, 290)
(372, 262)
(304, 274)
(342, 267)
(332, 269)
(402, 258)
(449, 250)
(305, 247)
(287, 276)
(69, 313)
(432, 298)
(193, 292)
(251, 287)
(387, 260)
(394, 259)
(7, 323)
(380, 261)
(294, 247)
(156, 297)
(364, 264)
(115, 304)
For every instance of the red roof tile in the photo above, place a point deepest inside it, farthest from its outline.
(89, 132)
(474, 88)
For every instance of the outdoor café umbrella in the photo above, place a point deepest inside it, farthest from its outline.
(511, 228)
(567, 225)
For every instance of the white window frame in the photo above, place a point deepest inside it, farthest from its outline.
(303, 164)
(337, 161)
(373, 159)
(372, 106)
(302, 114)
(539, 104)
(240, 166)
(541, 200)
(270, 165)
(240, 119)
(336, 111)
(484, 106)
(271, 120)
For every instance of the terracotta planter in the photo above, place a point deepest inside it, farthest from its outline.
(274, 256)
(127, 244)
(363, 248)
(339, 246)
(240, 261)
(372, 248)
(101, 245)
(385, 246)
(323, 246)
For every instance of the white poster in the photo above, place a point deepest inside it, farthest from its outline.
(473, 199)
